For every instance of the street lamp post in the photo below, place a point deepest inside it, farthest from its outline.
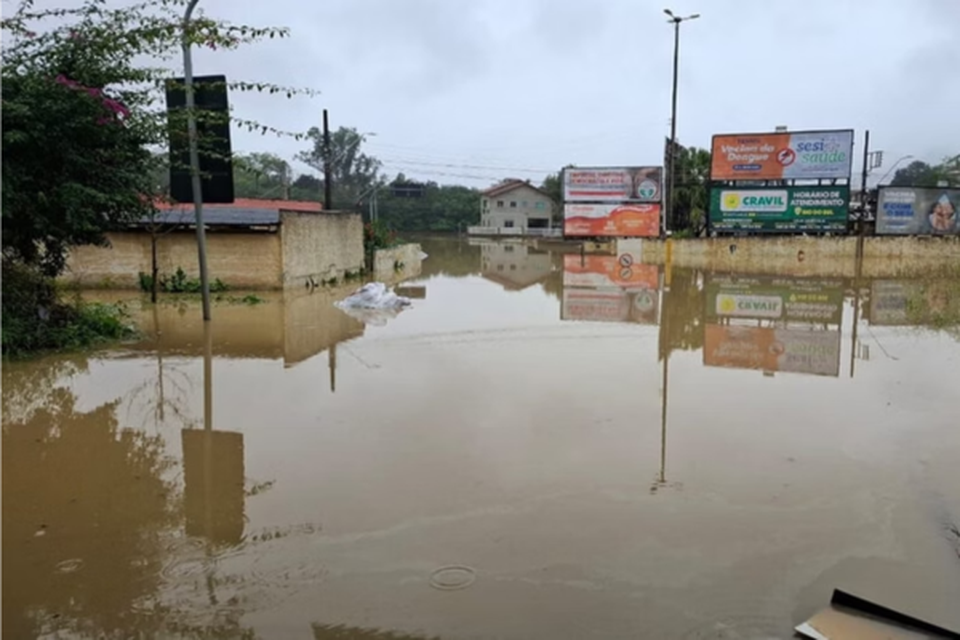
(676, 20)
(195, 157)
(895, 164)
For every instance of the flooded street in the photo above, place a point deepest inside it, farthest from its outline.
(542, 446)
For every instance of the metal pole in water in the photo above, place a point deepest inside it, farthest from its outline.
(195, 157)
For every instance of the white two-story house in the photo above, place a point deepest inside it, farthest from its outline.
(513, 207)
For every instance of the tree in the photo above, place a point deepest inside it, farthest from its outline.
(553, 185)
(441, 207)
(691, 196)
(916, 174)
(81, 114)
(261, 175)
(353, 172)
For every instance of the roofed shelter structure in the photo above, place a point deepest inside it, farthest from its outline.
(251, 244)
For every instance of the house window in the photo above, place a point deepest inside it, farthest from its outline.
(499, 204)
(486, 204)
(508, 223)
(499, 267)
(513, 204)
(508, 248)
(524, 204)
(513, 267)
(540, 205)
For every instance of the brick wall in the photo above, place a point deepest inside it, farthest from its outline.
(242, 260)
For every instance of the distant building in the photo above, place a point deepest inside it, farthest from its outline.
(514, 207)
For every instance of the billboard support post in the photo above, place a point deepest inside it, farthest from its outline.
(327, 165)
(863, 177)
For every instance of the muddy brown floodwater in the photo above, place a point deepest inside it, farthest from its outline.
(541, 447)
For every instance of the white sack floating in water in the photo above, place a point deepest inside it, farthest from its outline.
(374, 295)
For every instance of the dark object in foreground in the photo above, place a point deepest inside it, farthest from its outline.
(853, 618)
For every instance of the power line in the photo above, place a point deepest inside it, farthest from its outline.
(465, 166)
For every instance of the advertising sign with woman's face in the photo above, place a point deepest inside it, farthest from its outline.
(918, 211)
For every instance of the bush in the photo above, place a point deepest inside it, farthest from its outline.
(36, 319)
(376, 235)
(179, 282)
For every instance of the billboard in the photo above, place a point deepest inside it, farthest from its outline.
(910, 302)
(619, 220)
(782, 156)
(772, 298)
(769, 349)
(780, 209)
(607, 271)
(914, 210)
(613, 184)
(610, 305)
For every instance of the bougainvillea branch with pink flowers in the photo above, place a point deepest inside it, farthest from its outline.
(85, 121)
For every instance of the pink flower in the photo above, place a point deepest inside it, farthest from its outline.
(65, 81)
(74, 35)
(30, 34)
(116, 107)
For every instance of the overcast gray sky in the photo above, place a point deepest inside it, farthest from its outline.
(452, 85)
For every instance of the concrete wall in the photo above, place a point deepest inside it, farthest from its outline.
(882, 256)
(524, 200)
(317, 246)
(385, 261)
(320, 246)
(243, 260)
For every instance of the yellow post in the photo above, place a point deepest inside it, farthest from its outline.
(667, 260)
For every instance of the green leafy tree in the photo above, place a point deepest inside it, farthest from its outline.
(353, 172)
(81, 114)
(553, 185)
(441, 207)
(916, 174)
(691, 195)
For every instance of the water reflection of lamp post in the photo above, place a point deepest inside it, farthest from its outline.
(676, 20)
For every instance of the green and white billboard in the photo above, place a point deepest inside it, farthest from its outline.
(780, 209)
(774, 298)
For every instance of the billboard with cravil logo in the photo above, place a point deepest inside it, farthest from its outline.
(782, 156)
(806, 208)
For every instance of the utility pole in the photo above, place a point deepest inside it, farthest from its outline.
(327, 168)
(195, 157)
(676, 20)
(863, 187)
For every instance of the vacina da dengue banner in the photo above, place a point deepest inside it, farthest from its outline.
(782, 209)
(782, 156)
(918, 211)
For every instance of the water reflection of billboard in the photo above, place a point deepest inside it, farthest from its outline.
(909, 303)
(213, 478)
(610, 305)
(608, 271)
(818, 301)
(770, 349)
